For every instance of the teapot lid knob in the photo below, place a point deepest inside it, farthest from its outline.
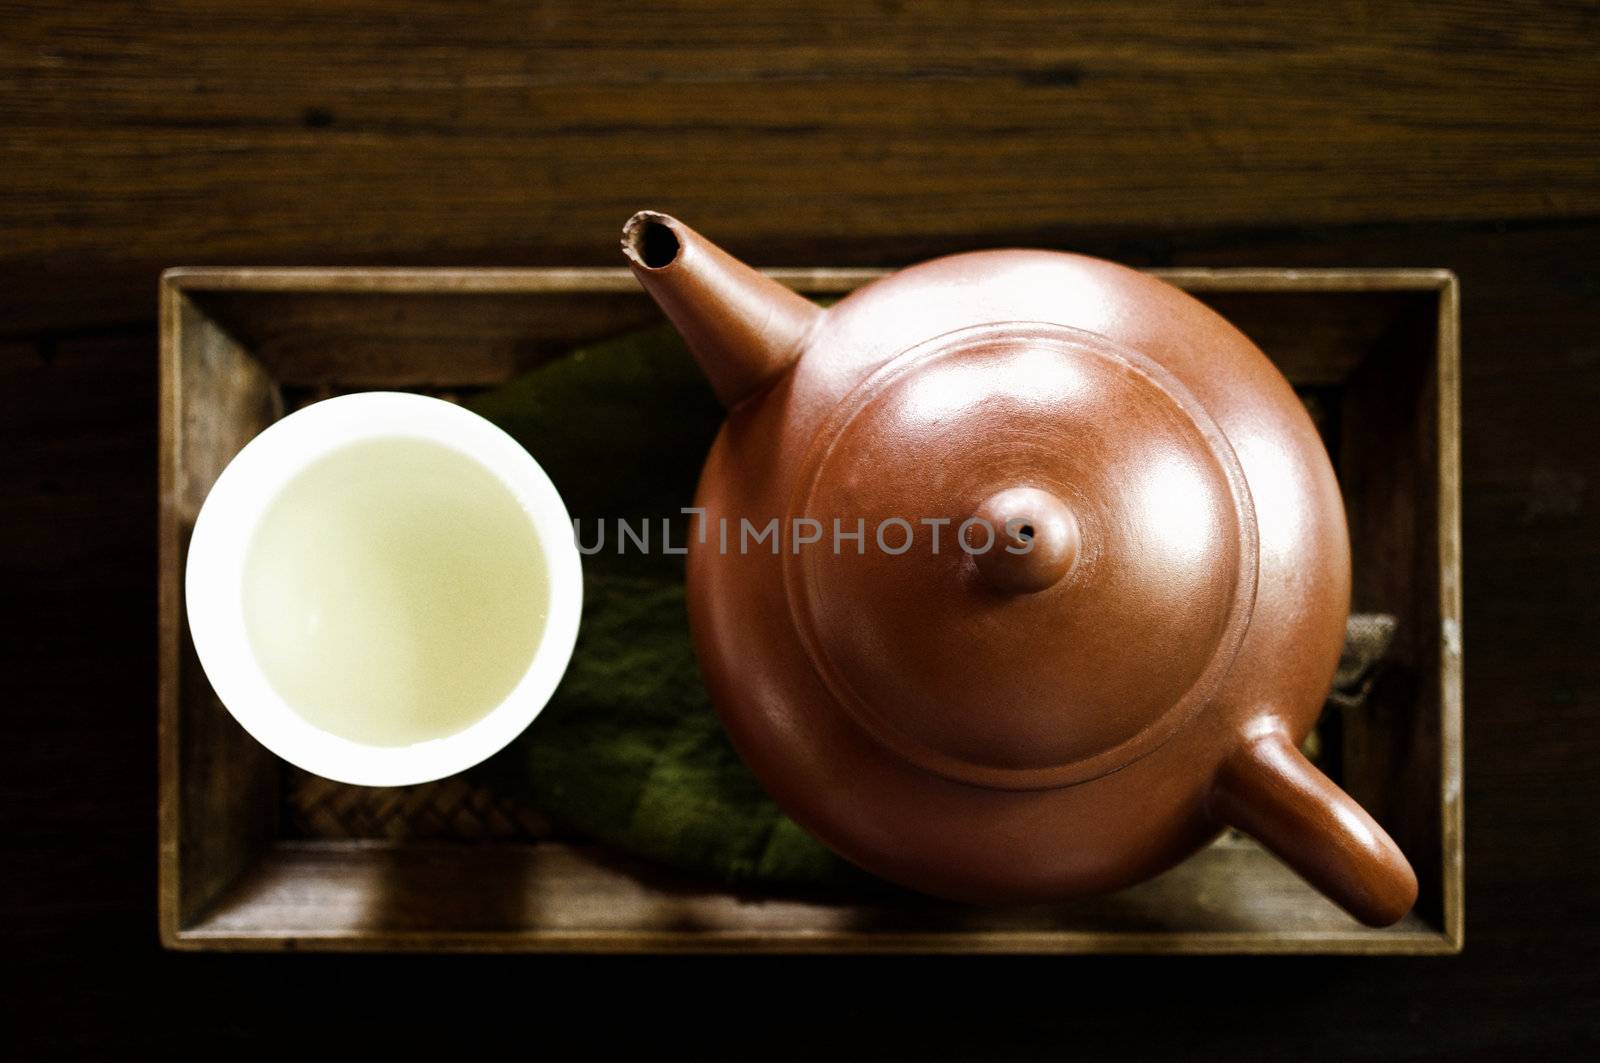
(1035, 540)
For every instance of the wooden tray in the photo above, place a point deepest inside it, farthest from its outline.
(258, 856)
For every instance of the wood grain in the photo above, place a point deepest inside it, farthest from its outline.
(304, 132)
(339, 896)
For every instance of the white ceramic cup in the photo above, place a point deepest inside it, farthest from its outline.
(223, 532)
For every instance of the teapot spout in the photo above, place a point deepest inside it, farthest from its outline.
(743, 328)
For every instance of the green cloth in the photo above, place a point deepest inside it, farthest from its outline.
(629, 751)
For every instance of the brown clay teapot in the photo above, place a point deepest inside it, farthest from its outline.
(1053, 579)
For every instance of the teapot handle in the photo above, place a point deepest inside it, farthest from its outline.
(1268, 789)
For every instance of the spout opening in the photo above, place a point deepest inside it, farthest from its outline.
(650, 240)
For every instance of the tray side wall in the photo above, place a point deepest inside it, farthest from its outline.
(218, 788)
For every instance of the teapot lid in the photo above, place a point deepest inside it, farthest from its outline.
(1056, 563)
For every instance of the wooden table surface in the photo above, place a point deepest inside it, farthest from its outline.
(137, 136)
